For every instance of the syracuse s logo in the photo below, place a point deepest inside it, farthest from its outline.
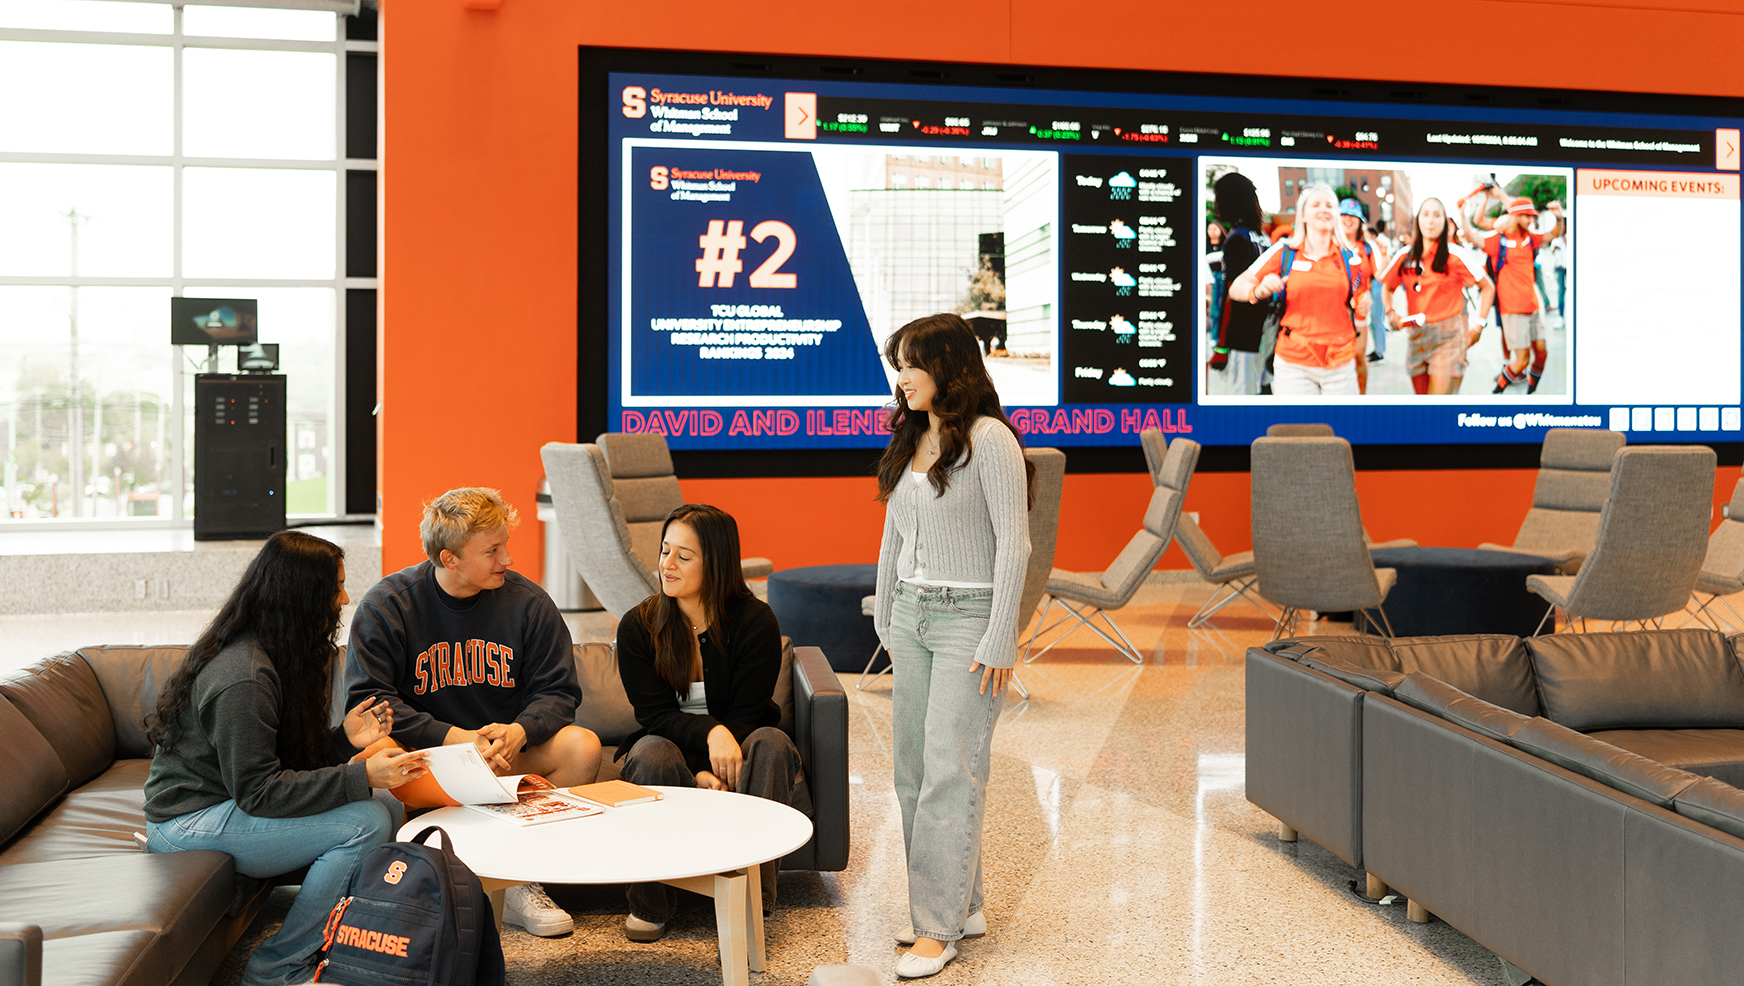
(395, 871)
(635, 102)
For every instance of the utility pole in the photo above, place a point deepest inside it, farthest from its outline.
(76, 403)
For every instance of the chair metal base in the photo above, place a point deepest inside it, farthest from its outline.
(1359, 619)
(1236, 589)
(876, 650)
(1711, 618)
(1084, 617)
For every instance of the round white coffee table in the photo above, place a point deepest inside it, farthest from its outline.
(709, 842)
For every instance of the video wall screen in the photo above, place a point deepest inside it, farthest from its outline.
(1438, 274)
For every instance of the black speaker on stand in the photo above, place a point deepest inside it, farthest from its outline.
(239, 456)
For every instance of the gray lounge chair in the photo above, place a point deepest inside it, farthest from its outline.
(1309, 550)
(1652, 539)
(1723, 567)
(1574, 477)
(647, 488)
(1085, 596)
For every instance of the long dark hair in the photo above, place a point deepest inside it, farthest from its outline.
(723, 587)
(287, 600)
(944, 346)
(1439, 265)
(1237, 201)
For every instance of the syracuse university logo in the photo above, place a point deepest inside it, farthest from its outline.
(397, 870)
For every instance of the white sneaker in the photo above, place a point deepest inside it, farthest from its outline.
(975, 927)
(912, 966)
(526, 906)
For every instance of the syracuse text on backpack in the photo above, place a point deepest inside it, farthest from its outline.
(413, 915)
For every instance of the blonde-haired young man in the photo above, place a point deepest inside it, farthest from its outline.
(467, 651)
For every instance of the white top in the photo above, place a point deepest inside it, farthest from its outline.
(690, 832)
(695, 703)
(920, 576)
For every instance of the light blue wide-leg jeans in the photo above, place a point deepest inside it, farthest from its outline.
(330, 844)
(943, 744)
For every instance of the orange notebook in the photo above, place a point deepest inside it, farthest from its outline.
(615, 794)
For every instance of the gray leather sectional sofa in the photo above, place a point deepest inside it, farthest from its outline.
(81, 904)
(1566, 800)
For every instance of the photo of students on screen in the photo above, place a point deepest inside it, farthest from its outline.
(1469, 295)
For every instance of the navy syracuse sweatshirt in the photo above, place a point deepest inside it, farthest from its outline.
(503, 655)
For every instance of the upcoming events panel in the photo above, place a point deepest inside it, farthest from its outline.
(767, 239)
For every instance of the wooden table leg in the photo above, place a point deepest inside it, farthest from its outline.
(754, 917)
(738, 919)
(730, 925)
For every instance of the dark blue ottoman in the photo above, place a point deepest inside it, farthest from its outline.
(1462, 590)
(819, 606)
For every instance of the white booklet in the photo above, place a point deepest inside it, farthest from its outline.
(460, 771)
(459, 775)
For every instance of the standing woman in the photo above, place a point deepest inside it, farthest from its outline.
(699, 662)
(1435, 278)
(1237, 330)
(1350, 219)
(1325, 310)
(245, 763)
(950, 573)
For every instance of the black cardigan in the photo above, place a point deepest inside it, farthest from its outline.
(740, 685)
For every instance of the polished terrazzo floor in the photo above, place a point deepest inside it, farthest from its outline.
(1119, 846)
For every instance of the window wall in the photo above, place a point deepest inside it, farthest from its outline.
(151, 150)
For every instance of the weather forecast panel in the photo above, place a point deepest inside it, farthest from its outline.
(1436, 275)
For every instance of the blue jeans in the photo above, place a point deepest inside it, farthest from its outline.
(330, 844)
(943, 744)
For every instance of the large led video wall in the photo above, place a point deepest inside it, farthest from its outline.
(764, 238)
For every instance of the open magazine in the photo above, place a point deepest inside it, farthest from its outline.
(458, 775)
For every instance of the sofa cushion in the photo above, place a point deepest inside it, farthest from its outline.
(182, 894)
(1358, 651)
(1641, 679)
(33, 775)
(1716, 753)
(604, 708)
(1491, 667)
(1713, 803)
(98, 819)
(133, 678)
(62, 699)
(110, 958)
(1368, 679)
(1438, 698)
(1607, 764)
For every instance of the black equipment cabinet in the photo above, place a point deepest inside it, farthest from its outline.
(239, 456)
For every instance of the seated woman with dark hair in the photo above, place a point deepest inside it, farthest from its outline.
(699, 663)
(245, 763)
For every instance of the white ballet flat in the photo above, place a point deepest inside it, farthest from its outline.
(912, 966)
(975, 927)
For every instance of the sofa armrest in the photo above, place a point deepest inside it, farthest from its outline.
(820, 710)
(20, 955)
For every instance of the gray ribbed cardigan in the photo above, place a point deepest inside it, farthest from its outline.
(977, 532)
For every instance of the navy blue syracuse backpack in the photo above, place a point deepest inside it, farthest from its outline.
(413, 915)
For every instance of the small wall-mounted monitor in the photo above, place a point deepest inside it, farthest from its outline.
(260, 357)
(214, 321)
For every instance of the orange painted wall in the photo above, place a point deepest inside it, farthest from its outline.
(478, 205)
